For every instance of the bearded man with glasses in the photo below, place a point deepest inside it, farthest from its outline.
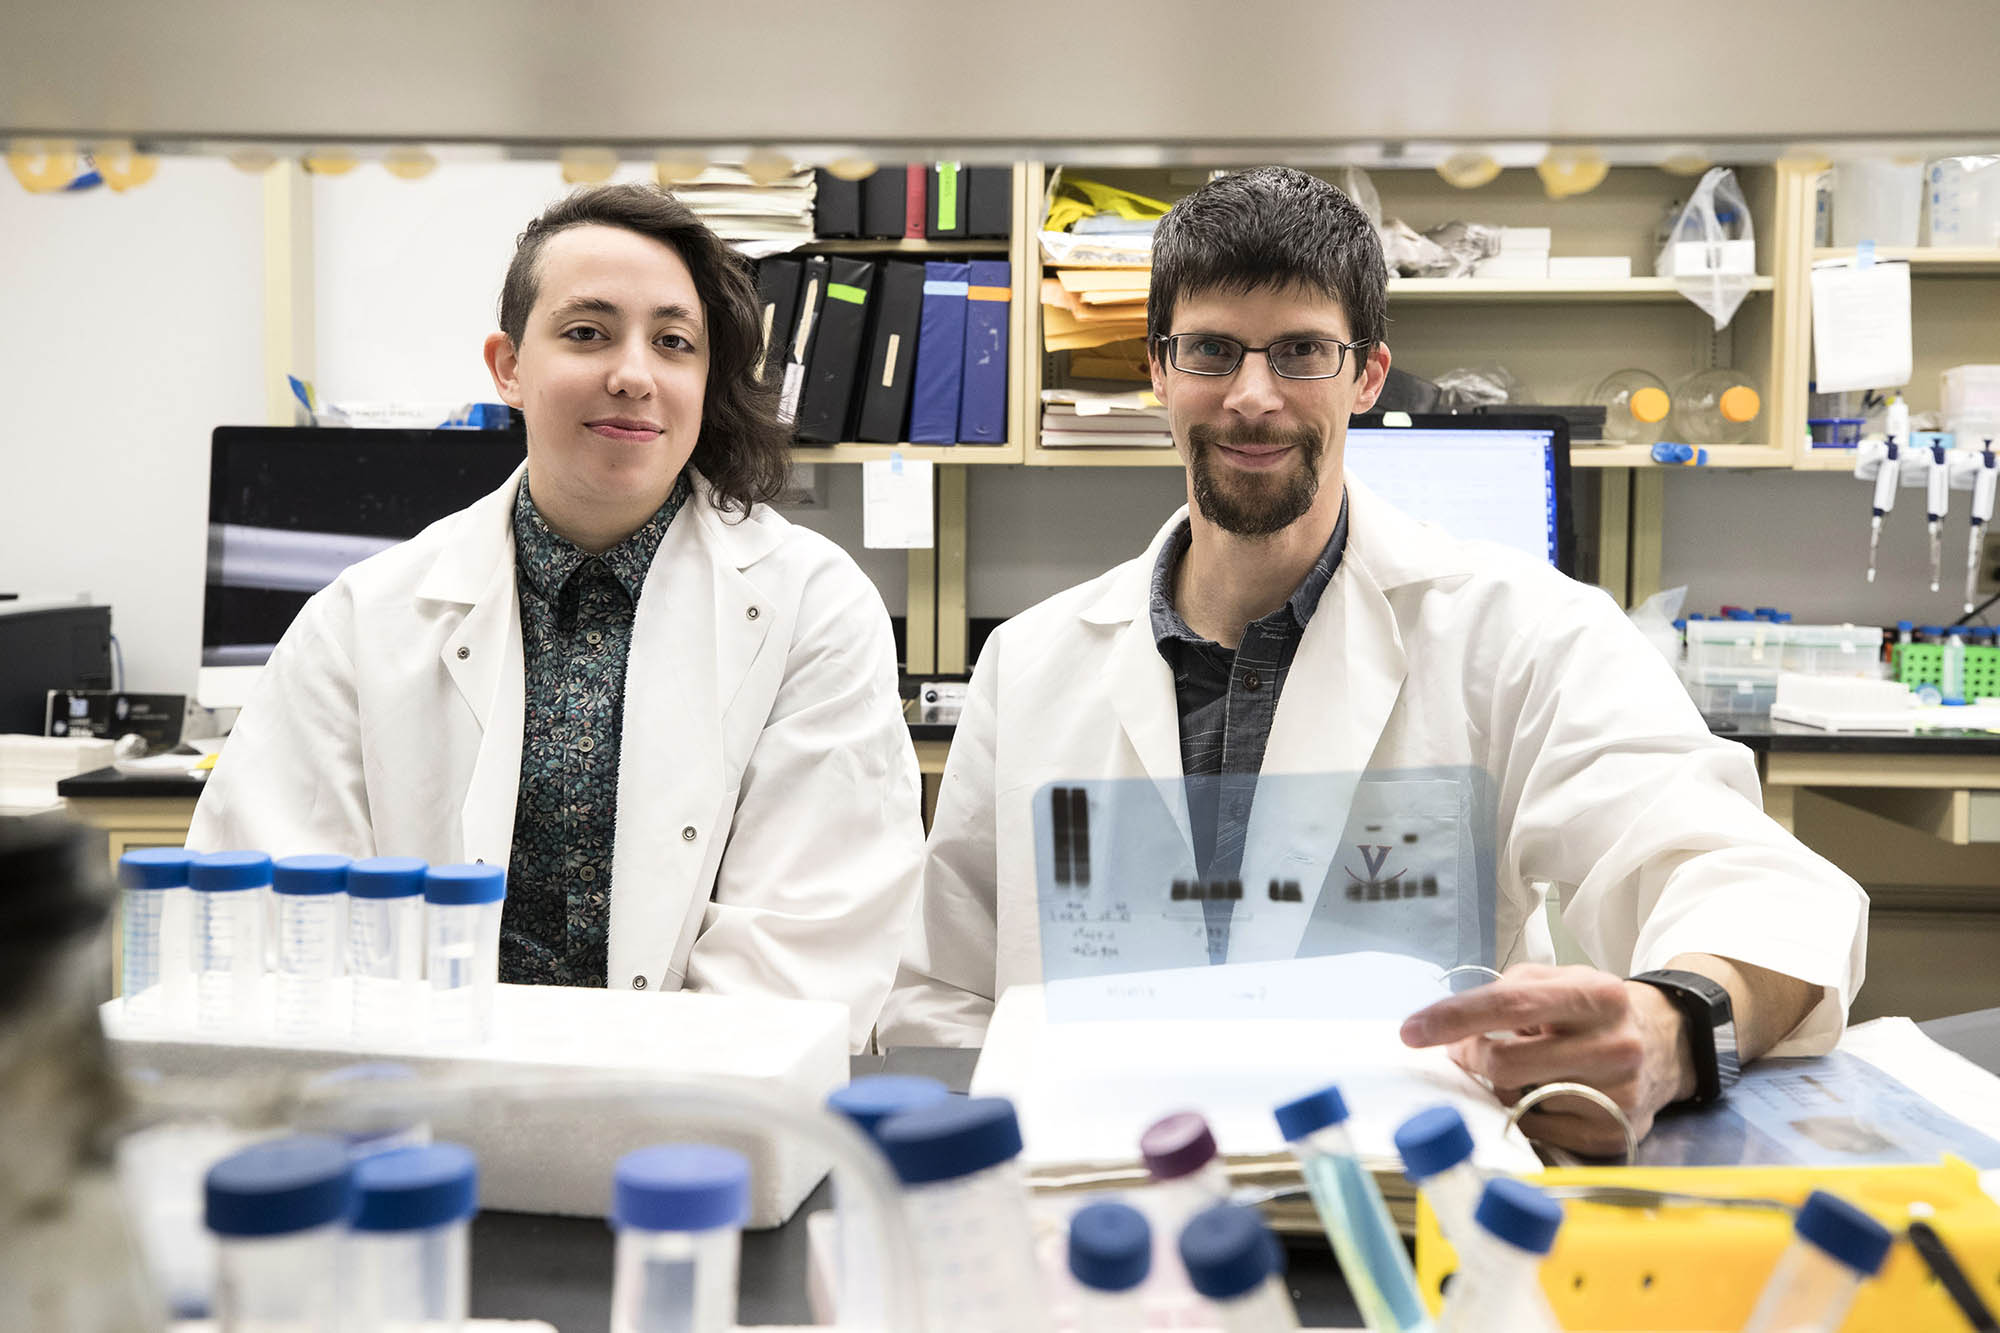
(1289, 622)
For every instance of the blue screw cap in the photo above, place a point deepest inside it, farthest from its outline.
(873, 1098)
(1314, 1111)
(949, 1139)
(1518, 1213)
(1226, 1251)
(1433, 1140)
(1843, 1232)
(310, 874)
(223, 872)
(681, 1187)
(464, 885)
(415, 1189)
(387, 877)
(1110, 1246)
(154, 868)
(277, 1188)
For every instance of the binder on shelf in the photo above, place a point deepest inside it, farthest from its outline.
(885, 203)
(944, 216)
(892, 353)
(982, 410)
(812, 295)
(940, 355)
(916, 199)
(989, 201)
(778, 309)
(836, 205)
(836, 354)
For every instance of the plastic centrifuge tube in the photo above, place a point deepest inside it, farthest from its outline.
(1499, 1282)
(868, 1102)
(1110, 1254)
(408, 1260)
(385, 945)
(227, 939)
(278, 1211)
(462, 909)
(312, 914)
(1232, 1261)
(679, 1211)
(1436, 1148)
(968, 1211)
(1187, 1176)
(1951, 666)
(154, 883)
(1835, 1247)
(1350, 1208)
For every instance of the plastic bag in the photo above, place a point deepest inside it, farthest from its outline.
(1711, 252)
(1354, 183)
(1655, 619)
(1476, 386)
(1464, 244)
(1409, 254)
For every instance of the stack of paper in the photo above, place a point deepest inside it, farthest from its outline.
(1086, 1087)
(1089, 307)
(756, 219)
(1074, 418)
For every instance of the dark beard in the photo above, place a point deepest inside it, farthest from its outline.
(1256, 506)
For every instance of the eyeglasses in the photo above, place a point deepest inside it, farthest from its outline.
(1292, 359)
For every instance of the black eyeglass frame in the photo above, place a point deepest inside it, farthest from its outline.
(1171, 341)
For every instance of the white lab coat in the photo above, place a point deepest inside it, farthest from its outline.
(1424, 652)
(769, 835)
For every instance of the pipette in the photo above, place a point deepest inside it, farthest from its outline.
(1982, 513)
(1887, 479)
(1937, 479)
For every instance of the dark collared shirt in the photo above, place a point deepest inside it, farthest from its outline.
(1227, 702)
(576, 632)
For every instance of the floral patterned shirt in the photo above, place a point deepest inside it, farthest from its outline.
(576, 632)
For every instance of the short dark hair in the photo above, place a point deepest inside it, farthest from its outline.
(1270, 227)
(742, 450)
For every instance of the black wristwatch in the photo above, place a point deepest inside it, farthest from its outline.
(1711, 1028)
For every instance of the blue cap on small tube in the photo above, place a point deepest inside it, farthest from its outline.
(415, 1189)
(310, 874)
(681, 1187)
(1519, 1214)
(949, 1139)
(873, 1098)
(277, 1188)
(1226, 1251)
(465, 885)
(1110, 1246)
(155, 868)
(225, 872)
(1314, 1111)
(1843, 1232)
(387, 877)
(1433, 1140)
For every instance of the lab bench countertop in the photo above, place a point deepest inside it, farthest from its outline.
(1762, 734)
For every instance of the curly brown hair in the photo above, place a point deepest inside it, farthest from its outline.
(743, 451)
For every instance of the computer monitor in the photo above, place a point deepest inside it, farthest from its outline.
(290, 508)
(1499, 478)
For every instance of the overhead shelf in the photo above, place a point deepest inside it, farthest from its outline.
(1932, 261)
(1484, 290)
(905, 247)
(1641, 455)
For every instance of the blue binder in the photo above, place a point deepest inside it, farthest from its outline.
(940, 355)
(982, 404)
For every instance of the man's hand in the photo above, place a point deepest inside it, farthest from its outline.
(1541, 1024)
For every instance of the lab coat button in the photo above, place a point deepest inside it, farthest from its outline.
(464, 653)
(753, 613)
(638, 983)
(687, 834)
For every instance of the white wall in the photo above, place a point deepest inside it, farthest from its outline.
(134, 326)
(1034, 531)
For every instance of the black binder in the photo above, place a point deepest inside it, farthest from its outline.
(944, 210)
(836, 354)
(892, 354)
(885, 203)
(805, 332)
(778, 308)
(836, 205)
(989, 200)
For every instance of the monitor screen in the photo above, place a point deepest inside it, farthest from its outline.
(289, 508)
(1491, 478)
